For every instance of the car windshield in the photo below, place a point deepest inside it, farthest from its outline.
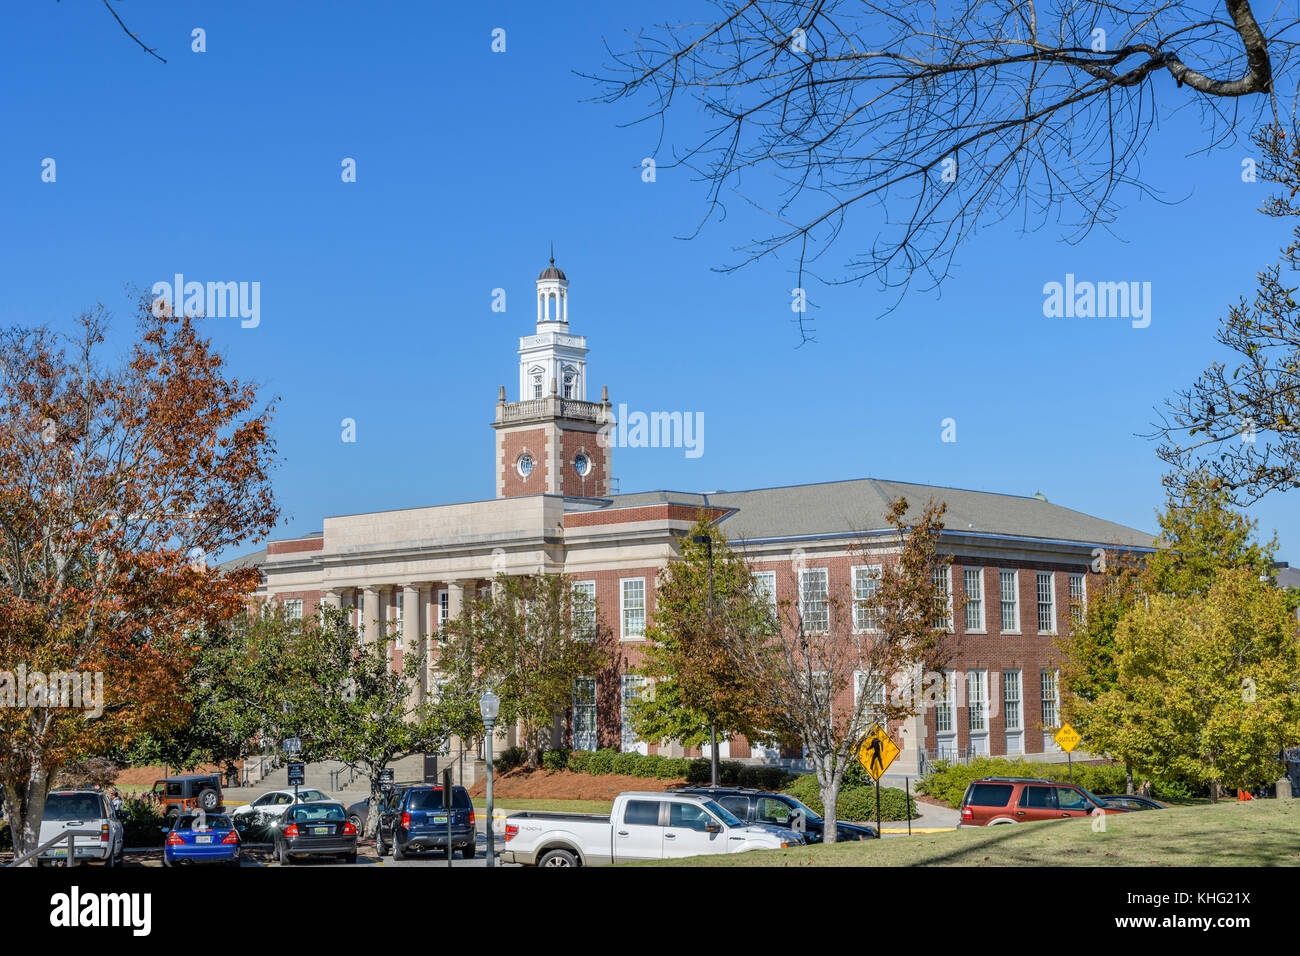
(73, 806)
(305, 796)
(794, 804)
(311, 812)
(198, 821)
(723, 814)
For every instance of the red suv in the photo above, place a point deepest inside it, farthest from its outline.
(994, 800)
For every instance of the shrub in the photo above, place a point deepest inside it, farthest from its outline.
(733, 773)
(579, 760)
(511, 758)
(856, 804)
(142, 824)
(601, 761)
(555, 759)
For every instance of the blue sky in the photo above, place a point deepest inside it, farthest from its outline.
(376, 295)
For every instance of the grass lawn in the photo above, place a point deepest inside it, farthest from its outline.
(552, 806)
(1257, 833)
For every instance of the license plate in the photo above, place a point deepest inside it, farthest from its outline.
(203, 839)
(320, 830)
(441, 818)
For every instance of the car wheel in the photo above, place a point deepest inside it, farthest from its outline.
(167, 862)
(208, 800)
(284, 854)
(398, 852)
(350, 858)
(467, 852)
(558, 858)
(355, 821)
(379, 844)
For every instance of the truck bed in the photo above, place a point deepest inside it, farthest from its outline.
(556, 815)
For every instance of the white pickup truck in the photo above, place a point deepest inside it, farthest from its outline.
(642, 826)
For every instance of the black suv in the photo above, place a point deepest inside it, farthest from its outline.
(189, 792)
(418, 818)
(780, 811)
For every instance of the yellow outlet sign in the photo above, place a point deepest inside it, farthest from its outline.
(1067, 738)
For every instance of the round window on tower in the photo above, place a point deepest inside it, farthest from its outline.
(524, 465)
(582, 465)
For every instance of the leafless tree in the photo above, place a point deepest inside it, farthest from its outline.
(1237, 428)
(152, 51)
(946, 116)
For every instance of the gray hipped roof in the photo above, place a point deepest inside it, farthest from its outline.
(860, 505)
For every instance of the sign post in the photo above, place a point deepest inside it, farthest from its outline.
(1067, 738)
(876, 752)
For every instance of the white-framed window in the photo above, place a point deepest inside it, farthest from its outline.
(866, 582)
(1078, 598)
(1009, 594)
(444, 607)
(584, 713)
(535, 375)
(632, 607)
(1051, 699)
(293, 609)
(570, 382)
(873, 712)
(765, 585)
(584, 624)
(1012, 704)
(973, 582)
(1046, 602)
(945, 708)
(632, 686)
(977, 701)
(942, 578)
(814, 599)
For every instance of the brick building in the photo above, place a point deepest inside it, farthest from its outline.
(1019, 563)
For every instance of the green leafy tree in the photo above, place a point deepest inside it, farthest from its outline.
(529, 640)
(695, 689)
(1206, 686)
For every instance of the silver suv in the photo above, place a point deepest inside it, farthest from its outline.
(82, 810)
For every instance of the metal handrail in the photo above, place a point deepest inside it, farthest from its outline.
(69, 835)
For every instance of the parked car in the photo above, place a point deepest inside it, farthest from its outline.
(81, 810)
(202, 838)
(419, 819)
(270, 807)
(316, 829)
(780, 811)
(1130, 801)
(642, 826)
(996, 800)
(190, 792)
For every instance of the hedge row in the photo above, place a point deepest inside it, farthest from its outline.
(948, 782)
(855, 803)
(696, 770)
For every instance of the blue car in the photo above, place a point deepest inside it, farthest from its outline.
(421, 820)
(202, 838)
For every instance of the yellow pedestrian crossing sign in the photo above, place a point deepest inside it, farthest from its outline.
(876, 752)
(1067, 738)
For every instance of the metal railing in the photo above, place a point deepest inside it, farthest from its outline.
(70, 836)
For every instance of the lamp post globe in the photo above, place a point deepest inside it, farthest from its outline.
(488, 707)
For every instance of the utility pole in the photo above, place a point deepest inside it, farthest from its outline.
(707, 541)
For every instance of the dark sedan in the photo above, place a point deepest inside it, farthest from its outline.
(781, 811)
(316, 829)
(1129, 801)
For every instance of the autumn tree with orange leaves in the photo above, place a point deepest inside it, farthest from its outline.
(117, 479)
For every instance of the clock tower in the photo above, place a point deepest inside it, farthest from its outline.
(550, 441)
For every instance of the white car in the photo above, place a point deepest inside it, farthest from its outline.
(82, 810)
(272, 806)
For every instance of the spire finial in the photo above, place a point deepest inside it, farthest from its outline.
(552, 252)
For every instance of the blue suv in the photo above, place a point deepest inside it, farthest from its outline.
(419, 819)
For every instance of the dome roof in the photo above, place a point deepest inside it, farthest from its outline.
(553, 272)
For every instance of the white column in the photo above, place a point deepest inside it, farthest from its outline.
(372, 610)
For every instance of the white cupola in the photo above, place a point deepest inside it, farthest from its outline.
(553, 361)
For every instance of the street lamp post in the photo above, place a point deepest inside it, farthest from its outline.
(488, 705)
(707, 541)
